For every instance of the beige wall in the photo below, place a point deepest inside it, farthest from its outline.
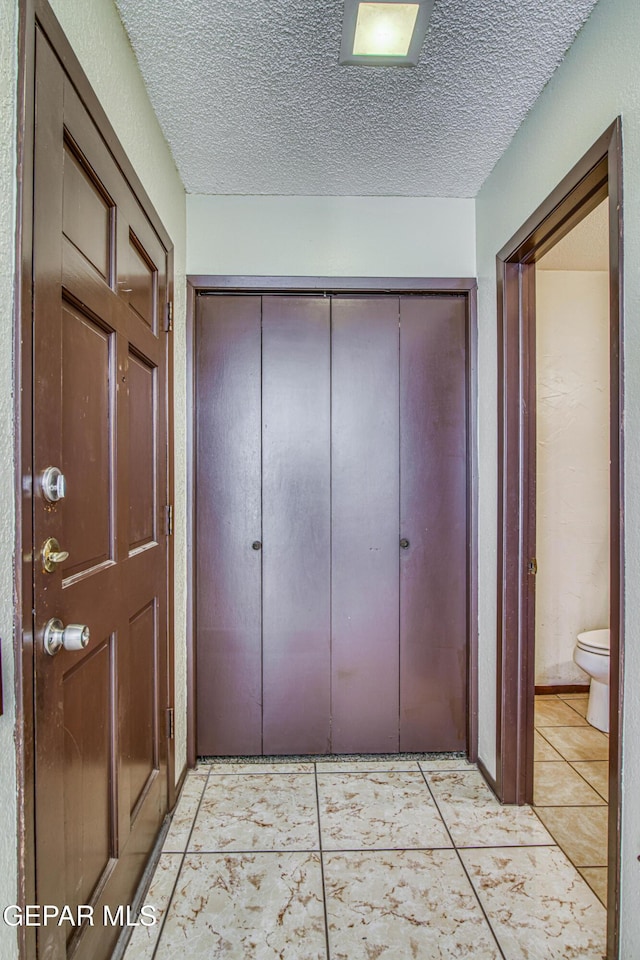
(572, 485)
(95, 31)
(331, 236)
(597, 81)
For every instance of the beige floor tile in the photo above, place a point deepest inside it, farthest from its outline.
(581, 695)
(596, 772)
(430, 766)
(366, 766)
(257, 812)
(580, 831)
(557, 784)
(543, 751)
(555, 713)
(184, 814)
(578, 743)
(476, 819)
(395, 905)
(537, 903)
(597, 878)
(546, 696)
(144, 939)
(246, 906)
(580, 704)
(249, 768)
(378, 811)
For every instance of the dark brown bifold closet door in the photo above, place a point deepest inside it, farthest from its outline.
(331, 510)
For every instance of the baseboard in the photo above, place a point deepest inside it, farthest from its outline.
(491, 783)
(562, 688)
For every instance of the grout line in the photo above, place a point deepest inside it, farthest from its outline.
(179, 870)
(324, 889)
(462, 864)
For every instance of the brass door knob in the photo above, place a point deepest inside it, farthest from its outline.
(404, 544)
(52, 555)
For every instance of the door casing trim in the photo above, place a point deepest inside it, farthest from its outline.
(210, 285)
(30, 14)
(596, 175)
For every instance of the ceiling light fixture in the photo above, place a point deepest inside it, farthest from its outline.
(384, 33)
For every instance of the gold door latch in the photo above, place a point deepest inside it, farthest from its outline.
(532, 566)
(52, 555)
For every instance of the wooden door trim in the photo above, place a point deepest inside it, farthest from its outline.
(210, 284)
(597, 174)
(34, 13)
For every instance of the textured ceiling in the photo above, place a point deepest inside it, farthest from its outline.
(252, 100)
(586, 247)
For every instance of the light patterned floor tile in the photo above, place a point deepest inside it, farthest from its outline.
(257, 812)
(543, 751)
(248, 768)
(556, 784)
(597, 774)
(537, 903)
(184, 814)
(366, 766)
(248, 906)
(144, 939)
(578, 743)
(555, 713)
(378, 811)
(395, 905)
(580, 831)
(474, 816)
(430, 766)
(597, 878)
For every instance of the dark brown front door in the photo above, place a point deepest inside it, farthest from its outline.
(100, 280)
(331, 498)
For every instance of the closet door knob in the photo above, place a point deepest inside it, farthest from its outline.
(404, 544)
(256, 545)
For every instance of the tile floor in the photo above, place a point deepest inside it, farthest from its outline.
(570, 788)
(362, 860)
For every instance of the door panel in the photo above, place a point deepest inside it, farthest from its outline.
(228, 570)
(101, 749)
(296, 496)
(365, 509)
(433, 568)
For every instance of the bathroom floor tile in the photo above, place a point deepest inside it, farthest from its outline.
(144, 939)
(249, 768)
(476, 819)
(580, 705)
(597, 878)
(555, 713)
(538, 905)
(596, 772)
(581, 695)
(263, 906)
(543, 751)
(258, 812)
(395, 905)
(184, 814)
(558, 784)
(580, 831)
(578, 743)
(431, 766)
(378, 811)
(366, 766)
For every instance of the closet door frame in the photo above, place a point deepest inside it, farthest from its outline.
(254, 285)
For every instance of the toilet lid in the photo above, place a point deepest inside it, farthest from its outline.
(596, 641)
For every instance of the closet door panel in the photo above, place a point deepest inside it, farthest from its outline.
(228, 519)
(365, 520)
(433, 568)
(296, 524)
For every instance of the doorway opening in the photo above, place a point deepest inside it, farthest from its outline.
(530, 516)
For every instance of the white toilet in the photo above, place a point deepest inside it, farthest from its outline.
(592, 655)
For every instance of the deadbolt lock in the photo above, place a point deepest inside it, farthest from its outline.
(56, 636)
(52, 555)
(53, 484)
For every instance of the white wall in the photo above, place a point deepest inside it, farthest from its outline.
(95, 31)
(572, 488)
(331, 236)
(8, 821)
(597, 81)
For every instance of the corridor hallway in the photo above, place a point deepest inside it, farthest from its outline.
(361, 859)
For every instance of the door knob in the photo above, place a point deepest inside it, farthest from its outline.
(52, 555)
(56, 636)
(53, 484)
(256, 545)
(404, 544)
